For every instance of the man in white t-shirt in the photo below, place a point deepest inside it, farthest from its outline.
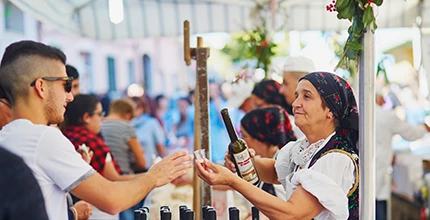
(35, 81)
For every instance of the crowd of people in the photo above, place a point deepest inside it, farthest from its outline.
(77, 162)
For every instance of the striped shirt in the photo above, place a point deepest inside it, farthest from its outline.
(116, 134)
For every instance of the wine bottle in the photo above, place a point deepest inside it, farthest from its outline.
(166, 215)
(189, 215)
(138, 214)
(233, 213)
(182, 209)
(211, 214)
(204, 214)
(164, 209)
(239, 153)
(145, 213)
(255, 213)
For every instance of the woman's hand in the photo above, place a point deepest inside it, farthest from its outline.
(83, 209)
(85, 157)
(229, 163)
(214, 174)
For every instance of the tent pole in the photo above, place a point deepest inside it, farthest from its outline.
(367, 127)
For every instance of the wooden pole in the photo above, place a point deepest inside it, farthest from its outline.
(201, 116)
(187, 53)
(197, 192)
(202, 55)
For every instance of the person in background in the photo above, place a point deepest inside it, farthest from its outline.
(120, 136)
(264, 131)
(73, 72)
(218, 136)
(295, 67)
(386, 126)
(239, 102)
(319, 172)
(21, 197)
(182, 130)
(266, 94)
(149, 132)
(161, 107)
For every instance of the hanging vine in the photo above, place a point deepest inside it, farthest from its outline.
(361, 14)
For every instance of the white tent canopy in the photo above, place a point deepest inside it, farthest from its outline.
(152, 18)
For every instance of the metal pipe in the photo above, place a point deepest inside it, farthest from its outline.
(367, 127)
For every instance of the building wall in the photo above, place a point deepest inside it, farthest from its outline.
(168, 69)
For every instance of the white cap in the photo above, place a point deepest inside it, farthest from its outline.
(240, 92)
(299, 64)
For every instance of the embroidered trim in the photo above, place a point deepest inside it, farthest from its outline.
(353, 158)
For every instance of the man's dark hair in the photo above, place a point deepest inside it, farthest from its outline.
(29, 48)
(157, 100)
(72, 71)
(22, 63)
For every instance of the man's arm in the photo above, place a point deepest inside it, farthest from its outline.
(114, 197)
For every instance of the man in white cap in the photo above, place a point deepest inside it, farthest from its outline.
(295, 67)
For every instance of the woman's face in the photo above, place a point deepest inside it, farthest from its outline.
(258, 102)
(308, 107)
(94, 122)
(252, 142)
(183, 107)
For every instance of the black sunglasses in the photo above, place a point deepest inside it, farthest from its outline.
(67, 86)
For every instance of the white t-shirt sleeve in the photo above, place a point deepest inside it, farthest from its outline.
(57, 156)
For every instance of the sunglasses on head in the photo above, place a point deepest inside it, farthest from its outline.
(67, 86)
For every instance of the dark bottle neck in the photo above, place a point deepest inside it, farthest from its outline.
(229, 125)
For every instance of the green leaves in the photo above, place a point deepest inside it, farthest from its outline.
(378, 2)
(368, 17)
(360, 13)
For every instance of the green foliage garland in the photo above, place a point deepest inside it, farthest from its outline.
(360, 13)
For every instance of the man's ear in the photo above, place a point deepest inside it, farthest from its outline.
(41, 88)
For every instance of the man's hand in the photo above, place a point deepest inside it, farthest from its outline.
(84, 209)
(170, 168)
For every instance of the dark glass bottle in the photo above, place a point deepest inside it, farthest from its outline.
(233, 213)
(255, 213)
(239, 153)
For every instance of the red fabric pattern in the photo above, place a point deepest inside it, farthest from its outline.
(79, 135)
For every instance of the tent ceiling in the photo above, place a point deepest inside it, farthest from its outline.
(150, 18)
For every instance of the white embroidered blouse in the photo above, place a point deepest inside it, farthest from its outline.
(329, 179)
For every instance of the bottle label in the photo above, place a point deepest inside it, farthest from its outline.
(246, 166)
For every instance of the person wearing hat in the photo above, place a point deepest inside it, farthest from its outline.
(295, 67)
(265, 131)
(387, 124)
(320, 172)
(266, 93)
